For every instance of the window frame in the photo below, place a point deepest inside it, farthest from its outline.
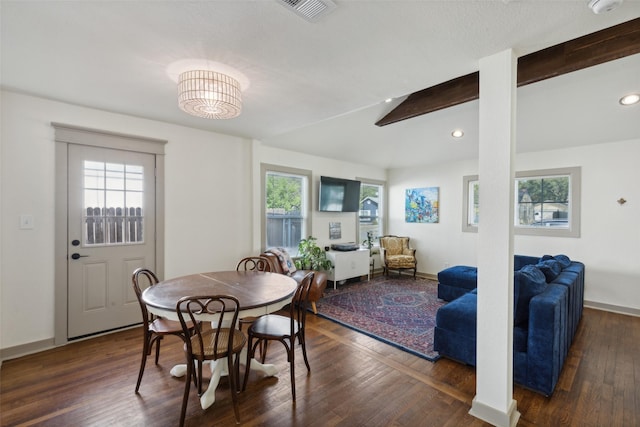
(306, 203)
(575, 177)
(466, 225)
(381, 206)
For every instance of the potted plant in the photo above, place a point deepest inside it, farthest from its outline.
(311, 256)
(368, 242)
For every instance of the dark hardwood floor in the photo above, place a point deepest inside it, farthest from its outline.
(355, 381)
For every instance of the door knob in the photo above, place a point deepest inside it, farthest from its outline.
(77, 255)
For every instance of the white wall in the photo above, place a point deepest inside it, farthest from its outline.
(609, 243)
(207, 211)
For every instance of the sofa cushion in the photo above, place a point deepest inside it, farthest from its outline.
(567, 278)
(575, 267)
(401, 261)
(461, 276)
(562, 259)
(528, 282)
(550, 268)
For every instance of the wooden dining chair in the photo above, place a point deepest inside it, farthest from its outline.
(285, 329)
(154, 327)
(254, 263)
(213, 340)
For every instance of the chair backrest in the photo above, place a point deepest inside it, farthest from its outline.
(300, 301)
(274, 262)
(394, 245)
(254, 263)
(141, 276)
(210, 343)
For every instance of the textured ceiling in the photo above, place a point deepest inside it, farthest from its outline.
(317, 87)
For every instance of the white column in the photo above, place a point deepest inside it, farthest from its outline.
(494, 386)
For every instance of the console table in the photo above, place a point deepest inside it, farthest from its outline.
(348, 264)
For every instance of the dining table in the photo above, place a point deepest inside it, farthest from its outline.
(258, 293)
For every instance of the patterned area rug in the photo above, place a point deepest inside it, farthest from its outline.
(396, 310)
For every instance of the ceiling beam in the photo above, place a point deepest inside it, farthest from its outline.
(596, 48)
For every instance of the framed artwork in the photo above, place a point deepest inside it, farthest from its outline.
(335, 230)
(421, 205)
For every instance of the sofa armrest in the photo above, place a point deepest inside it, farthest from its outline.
(547, 344)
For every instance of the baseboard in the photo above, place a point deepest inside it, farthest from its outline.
(379, 271)
(42, 345)
(25, 349)
(427, 276)
(495, 417)
(612, 308)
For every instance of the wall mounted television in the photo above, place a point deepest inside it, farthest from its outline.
(338, 195)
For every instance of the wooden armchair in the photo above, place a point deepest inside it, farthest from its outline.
(397, 255)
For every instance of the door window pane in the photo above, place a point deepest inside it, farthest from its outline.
(113, 208)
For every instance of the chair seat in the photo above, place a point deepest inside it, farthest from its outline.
(165, 326)
(273, 325)
(239, 340)
(248, 319)
(401, 261)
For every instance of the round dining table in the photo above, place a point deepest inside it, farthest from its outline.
(258, 293)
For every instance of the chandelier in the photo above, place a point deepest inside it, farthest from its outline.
(209, 94)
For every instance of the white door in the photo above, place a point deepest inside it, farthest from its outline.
(111, 223)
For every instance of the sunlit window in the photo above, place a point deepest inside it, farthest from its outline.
(370, 217)
(286, 207)
(547, 202)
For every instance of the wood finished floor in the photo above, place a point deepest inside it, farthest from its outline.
(355, 381)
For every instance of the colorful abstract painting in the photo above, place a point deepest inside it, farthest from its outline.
(421, 204)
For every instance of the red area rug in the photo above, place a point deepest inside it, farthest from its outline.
(399, 311)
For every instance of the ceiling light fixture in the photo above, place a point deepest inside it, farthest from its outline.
(458, 133)
(388, 100)
(602, 6)
(631, 99)
(209, 94)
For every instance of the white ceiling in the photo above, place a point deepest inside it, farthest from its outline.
(318, 87)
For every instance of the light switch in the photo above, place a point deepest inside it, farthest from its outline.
(26, 222)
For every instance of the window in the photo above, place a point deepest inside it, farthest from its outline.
(547, 203)
(286, 206)
(370, 217)
(470, 207)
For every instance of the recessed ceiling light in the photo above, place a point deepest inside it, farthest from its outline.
(388, 100)
(630, 99)
(458, 133)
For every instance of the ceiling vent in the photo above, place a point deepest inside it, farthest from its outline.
(311, 10)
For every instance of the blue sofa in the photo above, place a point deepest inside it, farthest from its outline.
(548, 302)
